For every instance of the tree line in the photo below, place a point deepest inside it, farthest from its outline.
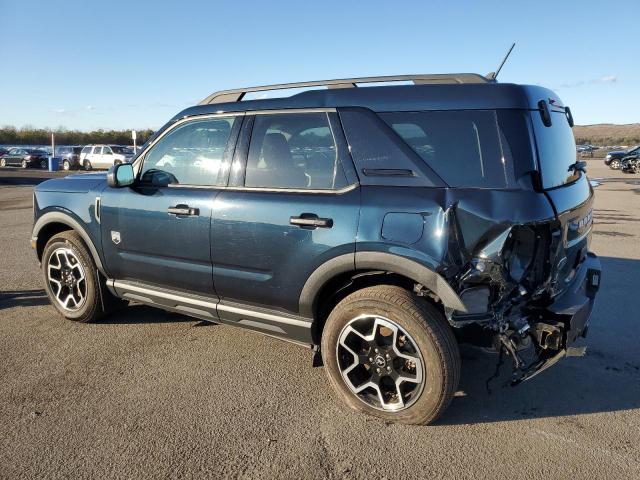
(609, 140)
(42, 136)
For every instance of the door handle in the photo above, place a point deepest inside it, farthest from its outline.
(311, 221)
(183, 210)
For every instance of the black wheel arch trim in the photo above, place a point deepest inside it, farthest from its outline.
(66, 219)
(376, 261)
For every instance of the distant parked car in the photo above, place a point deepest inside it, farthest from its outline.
(104, 156)
(614, 158)
(3, 151)
(630, 164)
(25, 158)
(70, 157)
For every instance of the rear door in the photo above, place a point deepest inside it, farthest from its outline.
(96, 157)
(291, 205)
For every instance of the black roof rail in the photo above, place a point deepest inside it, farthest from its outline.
(236, 95)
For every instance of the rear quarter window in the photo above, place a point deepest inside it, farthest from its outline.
(466, 148)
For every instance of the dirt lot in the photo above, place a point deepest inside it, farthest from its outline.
(147, 394)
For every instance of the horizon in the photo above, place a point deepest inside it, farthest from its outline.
(143, 65)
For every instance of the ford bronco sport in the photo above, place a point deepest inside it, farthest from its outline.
(380, 226)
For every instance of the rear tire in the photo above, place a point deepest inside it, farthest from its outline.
(420, 329)
(44, 164)
(70, 278)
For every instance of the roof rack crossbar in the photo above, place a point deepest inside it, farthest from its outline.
(237, 94)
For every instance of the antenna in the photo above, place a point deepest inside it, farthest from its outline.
(494, 75)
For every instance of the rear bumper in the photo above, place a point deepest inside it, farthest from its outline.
(570, 312)
(576, 302)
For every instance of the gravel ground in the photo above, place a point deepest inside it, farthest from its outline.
(148, 394)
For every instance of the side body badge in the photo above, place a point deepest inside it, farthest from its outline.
(115, 237)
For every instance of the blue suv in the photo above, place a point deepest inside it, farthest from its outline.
(378, 225)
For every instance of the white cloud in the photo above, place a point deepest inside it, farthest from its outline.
(594, 81)
(608, 79)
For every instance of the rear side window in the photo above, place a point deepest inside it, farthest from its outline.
(190, 154)
(293, 151)
(97, 150)
(465, 147)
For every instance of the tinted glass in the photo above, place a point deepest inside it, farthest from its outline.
(97, 150)
(191, 154)
(556, 149)
(293, 151)
(77, 149)
(466, 148)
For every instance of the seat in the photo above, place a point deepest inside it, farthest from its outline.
(280, 169)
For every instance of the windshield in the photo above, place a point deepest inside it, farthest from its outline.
(556, 149)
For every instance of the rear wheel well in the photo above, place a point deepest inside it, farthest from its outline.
(46, 233)
(339, 287)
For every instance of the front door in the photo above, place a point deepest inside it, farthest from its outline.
(159, 230)
(293, 209)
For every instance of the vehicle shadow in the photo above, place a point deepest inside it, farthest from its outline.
(23, 298)
(606, 379)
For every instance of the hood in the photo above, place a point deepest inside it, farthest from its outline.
(78, 183)
(617, 153)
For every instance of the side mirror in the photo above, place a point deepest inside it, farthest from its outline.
(120, 175)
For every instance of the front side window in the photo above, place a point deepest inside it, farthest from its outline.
(466, 148)
(190, 154)
(295, 150)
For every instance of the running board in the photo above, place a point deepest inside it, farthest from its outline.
(269, 322)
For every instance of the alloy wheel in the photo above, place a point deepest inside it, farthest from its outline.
(23, 164)
(65, 165)
(66, 278)
(615, 164)
(380, 363)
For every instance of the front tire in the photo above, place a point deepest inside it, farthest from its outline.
(3, 163)
(66, 165)
(44, 165)
(87, 165)
(70, 278)
(391, 354)
(24, 164)
(615, 164)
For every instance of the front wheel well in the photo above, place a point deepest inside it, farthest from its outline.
(339, 287)
(46, 233)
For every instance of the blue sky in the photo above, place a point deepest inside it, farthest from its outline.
(134, 64)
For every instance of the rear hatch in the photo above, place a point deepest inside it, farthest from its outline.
(567, 189)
